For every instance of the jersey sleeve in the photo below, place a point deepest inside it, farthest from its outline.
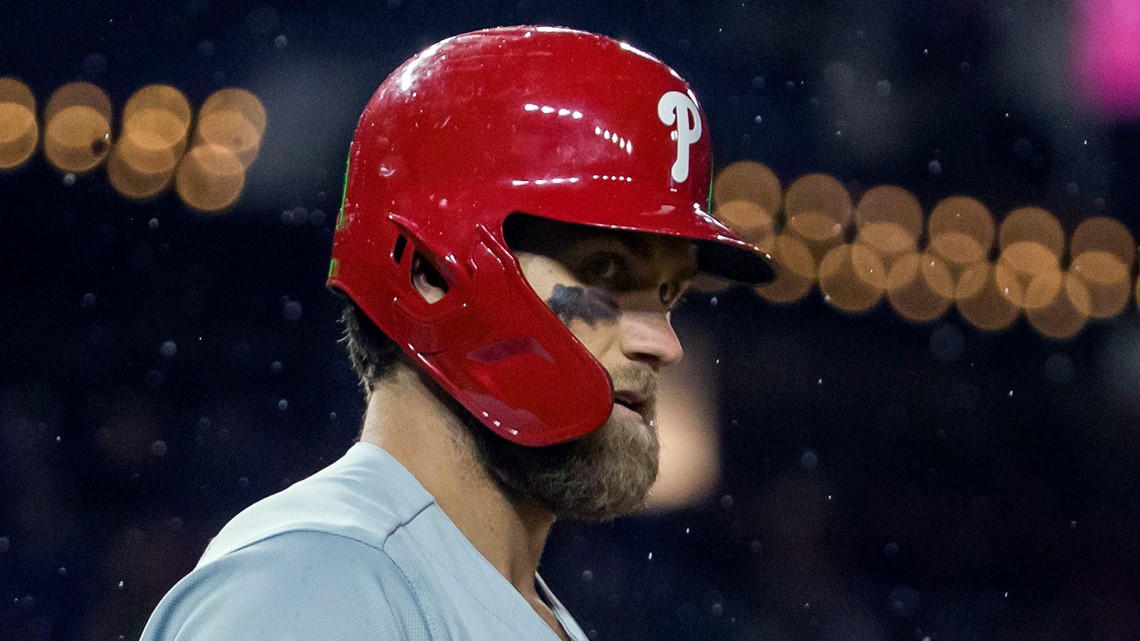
(294, 586)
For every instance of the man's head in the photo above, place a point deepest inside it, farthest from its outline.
(614, 290)
(558, 124)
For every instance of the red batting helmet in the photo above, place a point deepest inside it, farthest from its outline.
(551, 122)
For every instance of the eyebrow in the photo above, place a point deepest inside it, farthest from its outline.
(639, 246)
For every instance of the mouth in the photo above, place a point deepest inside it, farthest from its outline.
(636, 401)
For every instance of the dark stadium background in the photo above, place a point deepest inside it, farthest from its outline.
(160, 369)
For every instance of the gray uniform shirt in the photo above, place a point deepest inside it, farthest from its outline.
(359, 551)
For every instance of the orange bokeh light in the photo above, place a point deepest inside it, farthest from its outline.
(1064, 317)
(751, 221)
(156, 122)
(852, 278)
(77, 130)
(235, 119)
(19, 130)
(979, 300)
(210, 178)
(1106, 279)
(750, 181)
(796, 271)
(961, 231)
(1035, 225)
(920, 287)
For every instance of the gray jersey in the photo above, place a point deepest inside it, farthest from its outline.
(359, 551)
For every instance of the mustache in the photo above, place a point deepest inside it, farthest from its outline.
(638, 378)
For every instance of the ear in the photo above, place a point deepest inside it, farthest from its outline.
(427, 279)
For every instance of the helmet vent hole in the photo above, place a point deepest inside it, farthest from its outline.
(427, 280)
(398, 250)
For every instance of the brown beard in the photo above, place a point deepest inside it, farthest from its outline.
(598, 477)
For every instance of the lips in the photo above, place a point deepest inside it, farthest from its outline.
(636, 401)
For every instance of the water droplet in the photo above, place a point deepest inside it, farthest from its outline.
(587, 576)
(243, 482)
(158, 448)
(758, 119)
(69, 179)
(291, 311)
(717, 609)
(283, 404)
(650, 556)
(809, 460)
(168, 349)
(62, 571)
(88, 301)
(883, 88)
(1011, 393)
(687, 530)
(153, 224)
(120, 586)
(280, 42)
(713, 301)
(58, 439)
(276, 367)
(726, 501)
(154, 379)
(934, 167)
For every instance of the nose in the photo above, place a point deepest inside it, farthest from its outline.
(648, 337)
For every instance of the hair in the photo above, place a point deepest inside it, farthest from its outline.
(371, 352)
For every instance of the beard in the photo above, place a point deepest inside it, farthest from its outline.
(598, 477)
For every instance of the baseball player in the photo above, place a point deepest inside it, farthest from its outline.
(523, 206)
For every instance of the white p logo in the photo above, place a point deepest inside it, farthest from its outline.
(676, 107)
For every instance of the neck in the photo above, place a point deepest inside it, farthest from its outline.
(407, 419)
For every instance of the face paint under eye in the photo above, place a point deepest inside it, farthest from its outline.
(588, 304)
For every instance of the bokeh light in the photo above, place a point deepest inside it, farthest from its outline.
(1106, 279)
(1065, 316)
(235, 119)
(1028, 266)
(818, 210)
(979, 300)
(750, 181)
(19, 130)
(920, 287)
(1032, 224)
(752, 221)
(889, 221)
(961, 231)
(210, 178)
(156, 122)
(797, 269)
(134, 183)
(1104, 234)
(77, 129)
(852, 278)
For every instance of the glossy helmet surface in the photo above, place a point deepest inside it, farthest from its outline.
(551, 122)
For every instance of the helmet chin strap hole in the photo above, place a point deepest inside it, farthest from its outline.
(426, 279)
(398, 250)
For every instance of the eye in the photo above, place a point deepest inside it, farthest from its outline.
(606, 269)
(668, 294)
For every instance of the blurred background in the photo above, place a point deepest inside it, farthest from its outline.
(928, 428)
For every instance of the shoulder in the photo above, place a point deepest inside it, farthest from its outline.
(366, 495)
(299, 584)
